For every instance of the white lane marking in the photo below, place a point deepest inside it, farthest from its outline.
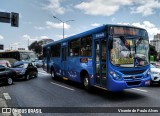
(6, 96)
(62, 86)
(140, 90)
(43, 73)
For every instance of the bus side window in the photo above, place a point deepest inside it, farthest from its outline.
(44, 52)
(86, 46)
(55, 50)
(104, 50)
(97, 51)
(74, 48)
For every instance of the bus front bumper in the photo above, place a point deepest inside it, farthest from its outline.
(114, 85)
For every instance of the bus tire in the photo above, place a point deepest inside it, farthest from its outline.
(86, 83)
(36, 74)
(53, 74)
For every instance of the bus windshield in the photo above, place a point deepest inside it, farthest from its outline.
(129, 52)
(28, 56)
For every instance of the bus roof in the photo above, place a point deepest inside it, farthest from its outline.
(16, 51)
(92, 31)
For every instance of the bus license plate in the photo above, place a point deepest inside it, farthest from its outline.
(147, 83)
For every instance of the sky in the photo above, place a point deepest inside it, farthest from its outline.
(36, 20)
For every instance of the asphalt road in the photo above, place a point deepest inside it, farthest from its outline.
(45, 92)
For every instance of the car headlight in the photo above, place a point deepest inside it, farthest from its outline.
(115, 75)
(23, 71)
(155, 73)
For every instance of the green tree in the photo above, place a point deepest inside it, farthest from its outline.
(36, 47)
(153, 51)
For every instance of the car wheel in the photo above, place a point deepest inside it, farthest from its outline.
(36, 74)
(86, 83)
(27, 77)
(9, 81)
(53, 74)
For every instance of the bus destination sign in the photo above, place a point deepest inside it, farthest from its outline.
(124, 31)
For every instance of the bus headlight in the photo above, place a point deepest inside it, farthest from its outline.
(115, 76)
(147, 73)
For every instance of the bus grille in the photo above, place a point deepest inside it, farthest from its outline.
(132, 78)
(133, 83)
(133, 72)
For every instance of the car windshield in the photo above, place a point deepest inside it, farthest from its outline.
(20, 64)
(152, 66)
(129, 52)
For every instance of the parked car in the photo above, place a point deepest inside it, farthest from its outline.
(6, 75)
(38, 63)
(25, 70)
(155, 74)
(5, 63)
(156, 64)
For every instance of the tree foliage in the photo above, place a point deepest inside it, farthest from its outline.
(153, 51)
(36, 47)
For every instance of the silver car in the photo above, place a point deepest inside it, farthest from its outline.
(155, 75)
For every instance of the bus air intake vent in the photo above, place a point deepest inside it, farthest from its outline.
(133, 72)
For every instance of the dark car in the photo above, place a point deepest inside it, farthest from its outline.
(6, 75)
(25, 70)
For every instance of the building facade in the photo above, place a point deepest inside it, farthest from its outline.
(156, 42)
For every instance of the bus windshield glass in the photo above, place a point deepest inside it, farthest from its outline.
(129, 52)
(28, 56)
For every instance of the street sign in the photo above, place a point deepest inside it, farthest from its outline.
(4, 17)
(14, 19)
(1, 47)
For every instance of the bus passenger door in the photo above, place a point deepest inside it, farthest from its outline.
(100, 62)
(64, 61)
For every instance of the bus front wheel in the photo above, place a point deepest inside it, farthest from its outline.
(86, 83)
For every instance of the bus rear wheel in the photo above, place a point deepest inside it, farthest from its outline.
(86, 83)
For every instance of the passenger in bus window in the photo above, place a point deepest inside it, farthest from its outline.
(104, 56)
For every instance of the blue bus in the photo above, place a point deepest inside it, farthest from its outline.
(111, 57)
